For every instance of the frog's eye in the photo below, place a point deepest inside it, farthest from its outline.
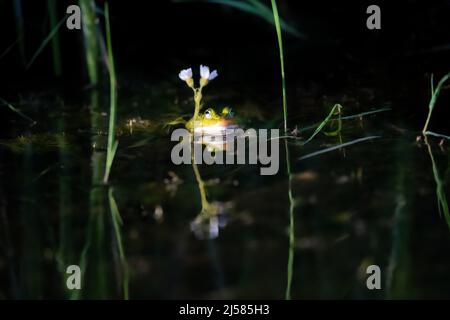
(208, 114)
(227, 112)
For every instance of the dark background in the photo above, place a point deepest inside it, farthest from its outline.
(152, 40)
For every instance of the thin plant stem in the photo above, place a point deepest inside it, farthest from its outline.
(112, 143)
(20, 29)
(52, 10)
(90, 32)
(10, 106)
(47, 39)
(434, 96)
(281, 53)
(324, 122)
(339, 146)
(290, 265)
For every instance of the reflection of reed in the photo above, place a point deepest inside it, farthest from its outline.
(117, 223)
(398, 273)
(31, 261)
(95, 230)
(64, 255)
(8, 246)
(440, 190)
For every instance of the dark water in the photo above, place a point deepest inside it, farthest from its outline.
(373, 202)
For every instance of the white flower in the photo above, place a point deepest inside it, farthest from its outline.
(185, 74)
(213, 75)
(205, 74)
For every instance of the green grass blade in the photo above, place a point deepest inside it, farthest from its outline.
(112, 143)
(257, 8)
(56, 49)
(434, 96)
(90, 36)
(20, 29)
(10, 106)
(337, 147)
(47, 39)
(324, 122)
(290, 263)
(281, 54)
(8, 49)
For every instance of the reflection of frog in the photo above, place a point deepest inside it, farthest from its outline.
(209, 122)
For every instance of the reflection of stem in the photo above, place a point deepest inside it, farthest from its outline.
(398, 272)
(31, 255)
(64, 253)
(440, 191)
(8, 247)
(200, 183)
(117, 222)
(95, 227)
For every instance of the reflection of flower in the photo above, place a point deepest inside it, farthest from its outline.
(185, 74)
(205, 74)
(212, 218)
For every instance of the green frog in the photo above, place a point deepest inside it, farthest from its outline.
(209, 122)
(212, 127)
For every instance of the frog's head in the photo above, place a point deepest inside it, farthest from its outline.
(210, 118)
(210, 114)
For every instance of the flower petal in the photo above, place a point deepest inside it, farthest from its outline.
(204, 72)
(213, 75)
(185, 74)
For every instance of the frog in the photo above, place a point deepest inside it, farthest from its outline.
(210, 122)
(212, 127)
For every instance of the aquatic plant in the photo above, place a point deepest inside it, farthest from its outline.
(205, 77)
(56, 50)
(339, 146)
(47, 39)
(20, 113)
(112, 142)
(257, 8)
(20, 29)
(337, 109)
(39, 142)
(90, 36)
(117, 223)
(440, 189)
(434, 96)
(290, 264)
(398, 276)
